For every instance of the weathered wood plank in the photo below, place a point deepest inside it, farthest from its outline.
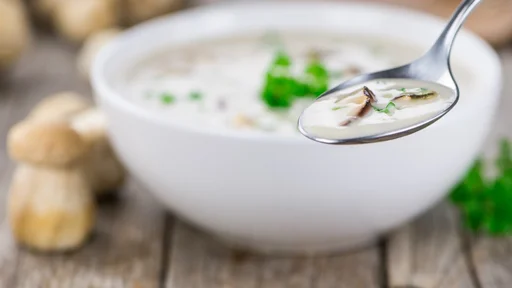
(428, 253)
(199, 261)
(356, 269)
(126, 250)
(492, 258)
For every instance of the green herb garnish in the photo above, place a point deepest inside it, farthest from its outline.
(316, 79)
(424, 90)
(195, 96)
(281, 87)
(167, 98)
(388, 109)
(279, 91)
(403, 89)
(486, 204)
(282, 59)
(336, 108)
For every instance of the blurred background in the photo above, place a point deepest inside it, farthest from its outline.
(75, 21)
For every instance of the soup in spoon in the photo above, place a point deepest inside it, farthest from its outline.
(375, 107)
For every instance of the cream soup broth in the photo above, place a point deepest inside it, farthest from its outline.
(376, 107)
(218, 84)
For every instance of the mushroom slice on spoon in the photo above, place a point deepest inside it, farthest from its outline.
(357, 105)
(408, 99)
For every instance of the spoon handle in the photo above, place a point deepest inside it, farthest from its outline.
(443, 46)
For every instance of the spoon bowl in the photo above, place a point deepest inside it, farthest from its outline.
(433, 67)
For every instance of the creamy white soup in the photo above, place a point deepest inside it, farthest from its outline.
(259, 82)
(375, 107)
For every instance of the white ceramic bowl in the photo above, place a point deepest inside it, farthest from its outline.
(277, 193)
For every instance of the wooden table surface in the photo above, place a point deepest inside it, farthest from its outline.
(137, 244)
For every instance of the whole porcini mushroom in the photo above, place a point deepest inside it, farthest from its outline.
(50, 204)
(104, 171)
(78, 19)
(14, 32)
(60, 106)
(91, 47)
(136, 11)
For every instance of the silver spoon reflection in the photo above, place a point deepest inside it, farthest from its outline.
(432, 69)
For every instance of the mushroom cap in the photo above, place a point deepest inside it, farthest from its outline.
(60, 106)
(78, 19)
(46, 143)
(91, 125)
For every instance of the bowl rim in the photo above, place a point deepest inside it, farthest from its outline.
(104, 90)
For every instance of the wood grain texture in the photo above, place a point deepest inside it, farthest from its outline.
(126, 250)
(197, 261)
(492, 258)
(428, 253)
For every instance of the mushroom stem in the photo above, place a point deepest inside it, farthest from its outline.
(50, 209)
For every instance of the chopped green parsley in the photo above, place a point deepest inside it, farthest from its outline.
(195, 96)
(167, 98)
(388, 109)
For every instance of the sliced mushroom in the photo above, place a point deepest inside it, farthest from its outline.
(369, 93)
(243, 121)
(408, 99)
(314, 55)
(353, 70)
(358, 105)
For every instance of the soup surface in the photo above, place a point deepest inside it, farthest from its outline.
(375, 107)
(258, 82)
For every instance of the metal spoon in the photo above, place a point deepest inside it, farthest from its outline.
(434, 66)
